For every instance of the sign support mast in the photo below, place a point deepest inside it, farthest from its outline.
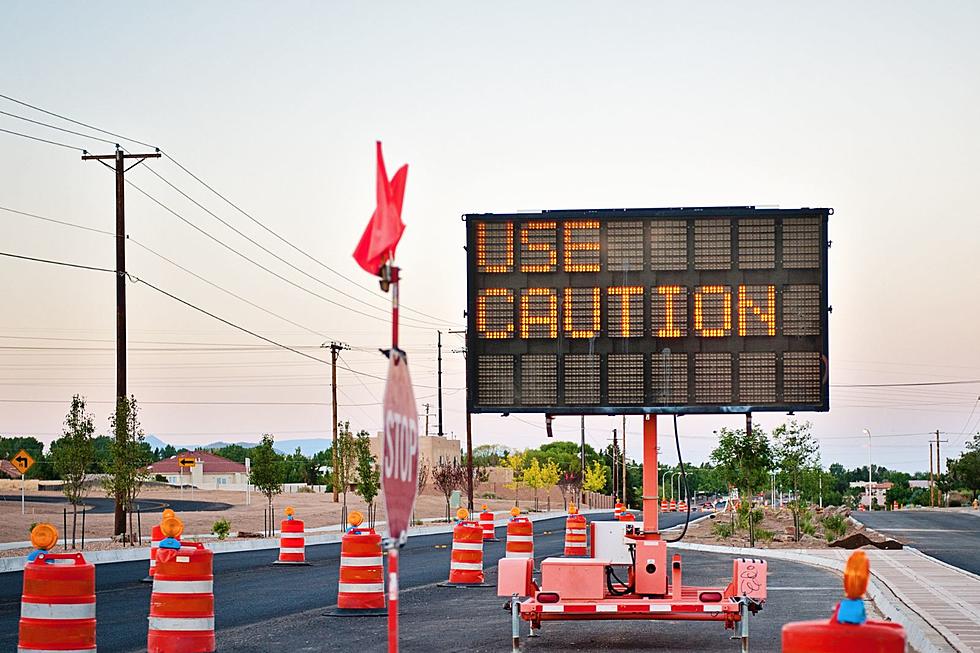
(393, 543)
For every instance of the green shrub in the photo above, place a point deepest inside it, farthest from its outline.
(808, 528)
(489, 495)
(31, 527)
(221, 528)
(160, 478)
(722, 530)
(955, 503)
(305, 489)
(764, 534)
(834, 527)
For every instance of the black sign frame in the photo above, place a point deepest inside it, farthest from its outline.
(649, 345)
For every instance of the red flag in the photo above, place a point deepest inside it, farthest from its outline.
(385, 229)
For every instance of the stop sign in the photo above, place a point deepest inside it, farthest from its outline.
(400, 447)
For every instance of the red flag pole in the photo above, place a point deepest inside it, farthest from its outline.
(393, 551)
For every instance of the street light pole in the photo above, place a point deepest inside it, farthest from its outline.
(868, 433)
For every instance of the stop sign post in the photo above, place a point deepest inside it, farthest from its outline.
(400, 449)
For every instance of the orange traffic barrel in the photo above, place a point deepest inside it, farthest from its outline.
(361, 589)
(182, 602)
(673, 505)
(156, 535)
(575, 538)
(466, 560)
(292, 541)
(520, 538)
(486, 523)
(849, 629)
(664, 506)
(618, 510)
(57, 610)
(682, 506)
(627, 516)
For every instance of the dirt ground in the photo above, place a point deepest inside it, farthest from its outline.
(778, 521)
(316, 510)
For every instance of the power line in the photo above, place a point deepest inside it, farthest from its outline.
(42, 140)
(904, 385)
(196, 178)
(52, 262)
(61, 129)
(61, 222)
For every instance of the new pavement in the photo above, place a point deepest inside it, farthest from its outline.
(951, 536)
(264, 608)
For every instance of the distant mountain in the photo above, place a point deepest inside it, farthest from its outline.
(154, 442)
(308, 447)
(219, 444)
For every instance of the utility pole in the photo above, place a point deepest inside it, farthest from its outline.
(932, 480)
(624, 460)
(939, 470)
(469, 423)
(439, 381)
(426, 417)
(581, 485)
(119, 520)
(335, 349)
(615, 479)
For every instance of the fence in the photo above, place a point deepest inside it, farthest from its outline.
(596, 500)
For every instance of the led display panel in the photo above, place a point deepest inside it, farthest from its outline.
(681, 310)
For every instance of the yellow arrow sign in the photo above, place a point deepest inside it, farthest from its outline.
(22, 461)
(186, 461)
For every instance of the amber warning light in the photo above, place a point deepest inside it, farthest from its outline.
(688, 310)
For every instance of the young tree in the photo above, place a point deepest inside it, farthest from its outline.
(595, 477)
(516, 462)
(448, 476)
(346, 470)
(267, 473)
(964, 472)
(126, 472)
(533, 479)
(796, 451)
(744, 460)
(549, 476)
(73, 454)
(368, 474)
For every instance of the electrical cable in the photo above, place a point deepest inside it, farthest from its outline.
(52, 262)
(43, 140)
(687, 489)
(61, 129)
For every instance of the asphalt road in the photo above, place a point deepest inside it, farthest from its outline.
(953, 537)
(264, 608)
(104, 506)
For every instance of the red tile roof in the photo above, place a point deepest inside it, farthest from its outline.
(212, 464)
(7, 468)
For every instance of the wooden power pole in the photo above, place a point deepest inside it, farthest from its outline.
(335, 349)
(119, 521)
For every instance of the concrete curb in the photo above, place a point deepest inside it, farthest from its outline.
(16, 563)
(889, 605)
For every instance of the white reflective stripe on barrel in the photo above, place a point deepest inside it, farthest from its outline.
(360, 588)
(520, 538)
(21, 649)
(182, 586)
(182, 623)
(518, 554)
(292, 536)
(466, 566)
(351, 561)
(153, 563)
(468, 546)
(57, 610)
(291, 551)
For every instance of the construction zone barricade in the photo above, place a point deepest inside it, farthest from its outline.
(292, 541)
(849, 629)
(673, 505)
(57, 610)
(466, 559)
(664, 506)
(182, 603)
(618, 510)
(361, 589)
(576, 543)
(520, 538)
(156, 536)
(486, 523)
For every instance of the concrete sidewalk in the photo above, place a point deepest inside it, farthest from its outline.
(938, 604)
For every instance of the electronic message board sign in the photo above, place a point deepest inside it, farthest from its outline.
(680, 310)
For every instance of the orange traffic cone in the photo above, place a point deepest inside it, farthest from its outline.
(57, 610)
(292, 541)
(486, 523)
(575, 539)
(466, 560)
(182, 602)
(520, 536)
(849, 630)
(361, 589)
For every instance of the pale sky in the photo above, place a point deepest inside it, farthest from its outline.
(869, 108)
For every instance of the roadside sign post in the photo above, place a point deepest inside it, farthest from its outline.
(182, 462)
(23, 461)
(248, 485)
